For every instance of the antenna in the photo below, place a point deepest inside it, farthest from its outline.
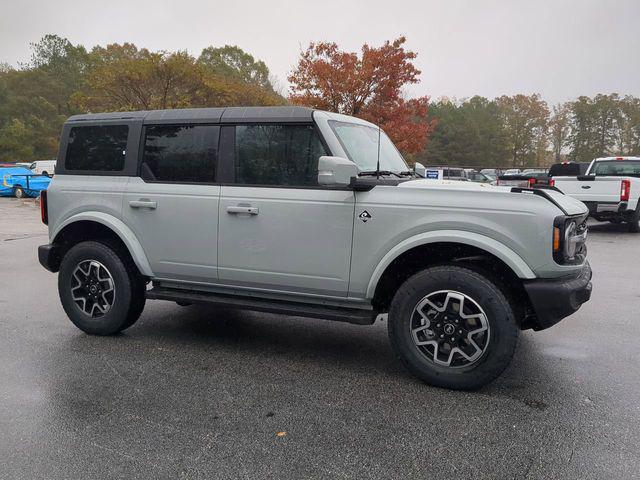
(378, 163)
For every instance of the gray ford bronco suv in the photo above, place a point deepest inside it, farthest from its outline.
(306, 213)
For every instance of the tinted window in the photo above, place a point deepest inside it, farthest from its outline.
(99, 148)
(180, 153)
(277, 155)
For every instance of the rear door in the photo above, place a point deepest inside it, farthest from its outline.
(280, 230)
(172, 205)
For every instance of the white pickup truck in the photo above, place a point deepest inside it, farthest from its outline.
(610, 189)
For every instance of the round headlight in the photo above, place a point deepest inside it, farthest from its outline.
(569, 242)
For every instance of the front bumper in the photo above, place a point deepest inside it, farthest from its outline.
(554, 299)
(49, 257)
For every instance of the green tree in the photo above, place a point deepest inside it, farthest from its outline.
(559, 129)
(232, 62)
(467, 133)
(525, 120)
(595, 124)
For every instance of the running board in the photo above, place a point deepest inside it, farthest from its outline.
(350, 315)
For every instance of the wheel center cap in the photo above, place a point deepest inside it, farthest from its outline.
(93, 289)
(449, 328)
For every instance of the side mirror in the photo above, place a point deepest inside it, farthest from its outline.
(336, 171)
(420, 170)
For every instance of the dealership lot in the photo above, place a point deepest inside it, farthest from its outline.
(194, 392)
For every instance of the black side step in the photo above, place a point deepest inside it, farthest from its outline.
(350, 315)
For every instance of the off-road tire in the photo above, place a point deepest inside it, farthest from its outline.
(634, 221)
(503, 329)
(129, 287)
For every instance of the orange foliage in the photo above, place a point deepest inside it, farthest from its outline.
(368, 86)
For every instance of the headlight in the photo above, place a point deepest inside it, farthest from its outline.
(569, 236)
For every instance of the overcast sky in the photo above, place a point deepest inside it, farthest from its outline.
(560, 49)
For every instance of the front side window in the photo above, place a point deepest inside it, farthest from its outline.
(180, 153)
(97, 148)
(284, 155)
(363, 144)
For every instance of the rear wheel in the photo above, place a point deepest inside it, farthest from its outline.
(100, 288)
(18, 192)
(452, 327)
(634, 221)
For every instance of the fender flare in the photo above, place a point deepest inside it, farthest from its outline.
(504, 253)
(120, 229)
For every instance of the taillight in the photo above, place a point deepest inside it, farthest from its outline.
(552, 182)
(44, 211)
(532, 182)
(625, 188)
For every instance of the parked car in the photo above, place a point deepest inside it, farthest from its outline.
(512, 171)
(19, 182)
(526, 180)
(474, 176)
(491, 172)
(453, 173)
(43, 167)
(307, 213)
(24, 164)
(610, 189)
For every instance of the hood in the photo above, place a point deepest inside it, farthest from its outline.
(570, 205)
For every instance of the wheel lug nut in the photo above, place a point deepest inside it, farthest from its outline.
(452, 339)
(460, 331)
(441, 336)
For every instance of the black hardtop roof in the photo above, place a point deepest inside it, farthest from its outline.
(205, 115)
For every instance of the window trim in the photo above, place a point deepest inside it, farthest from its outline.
(143, 136)
(228, 164)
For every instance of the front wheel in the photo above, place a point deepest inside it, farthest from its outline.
(100, 289)
(18, 192)
(452, 327)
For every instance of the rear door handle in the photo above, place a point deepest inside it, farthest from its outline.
(586, 187)
(246, 209)
(143, 203)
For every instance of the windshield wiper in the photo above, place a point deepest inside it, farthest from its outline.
(406, 173)
(375, 173)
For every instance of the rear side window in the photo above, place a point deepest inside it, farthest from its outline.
(284, 155)
(180, 153)
(97, 148)
(617, 168)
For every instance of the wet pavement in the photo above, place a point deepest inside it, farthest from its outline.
(195, 392)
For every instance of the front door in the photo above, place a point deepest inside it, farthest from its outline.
(279, 230)
(172, 207)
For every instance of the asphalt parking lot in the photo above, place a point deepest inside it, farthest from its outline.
(194, 392)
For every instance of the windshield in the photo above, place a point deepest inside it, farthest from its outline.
(617, 168)
(361, 144)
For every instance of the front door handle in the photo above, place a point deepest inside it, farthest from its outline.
(143, 203)
(246, 209)
(586, 187)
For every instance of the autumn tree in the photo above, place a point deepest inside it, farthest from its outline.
(123, 77)
(368, 85)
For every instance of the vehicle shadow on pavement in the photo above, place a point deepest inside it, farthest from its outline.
(269, 342)
(602, 227)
